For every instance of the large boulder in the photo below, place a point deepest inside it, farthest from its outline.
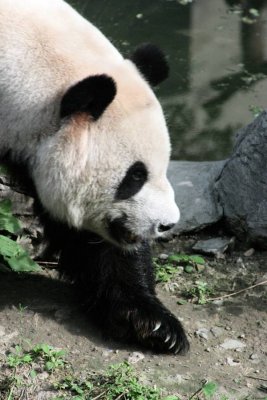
(194, 184)
(242, 184)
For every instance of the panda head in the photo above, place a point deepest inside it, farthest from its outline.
(105, 168)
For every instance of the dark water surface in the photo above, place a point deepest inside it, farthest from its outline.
(218, 59)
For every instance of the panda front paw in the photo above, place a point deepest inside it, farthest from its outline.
(159, 331)
(148, 324)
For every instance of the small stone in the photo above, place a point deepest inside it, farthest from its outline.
(163, 256)
(217, 331)
(135, 357)
(139, 16)
(202, 333)
(232, 344)
(200, 267)
(212, 246)
(218, 302)
(249, 252)
(230, 361)
(242, 336)
(207, 349)
(254, 356)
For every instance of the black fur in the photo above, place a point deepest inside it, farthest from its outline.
(91, 95)
(135, 177)
(151, 62)
(117, 290)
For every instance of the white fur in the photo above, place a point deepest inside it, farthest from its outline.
(46, 47)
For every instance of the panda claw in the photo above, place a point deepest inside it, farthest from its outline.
(157, 326)
(172, 343)
(167, 338)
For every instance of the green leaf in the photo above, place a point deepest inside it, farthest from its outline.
(49, 366)
(189, 269)
(27, 358)
(7, 221)
(22, 263)
(5, 206)
(178, 257)
(181, 301)
(209, 389)
(171, 398)
(15, 256)
(8, 247)
(197, 260)
(33, 374)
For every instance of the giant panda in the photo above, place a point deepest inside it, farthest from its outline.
(92, 135)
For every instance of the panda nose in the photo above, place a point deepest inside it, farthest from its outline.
(165, 228)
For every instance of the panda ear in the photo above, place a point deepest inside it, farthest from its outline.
(151, 62)
(91, 95)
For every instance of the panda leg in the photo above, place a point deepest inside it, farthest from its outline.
(118, 292)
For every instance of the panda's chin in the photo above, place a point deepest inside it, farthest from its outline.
(120, 235)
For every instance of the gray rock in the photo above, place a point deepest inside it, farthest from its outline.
(193, 183)
(202, 333)
(217, 331)
(135, 357)
(212, 246)
(232, 344)
(242, 184)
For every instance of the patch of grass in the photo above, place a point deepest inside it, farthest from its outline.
(50, 357)
(23, 368)
(118, 382)
(167, 269)
(255, 110)
(200, 292)
(21, 376)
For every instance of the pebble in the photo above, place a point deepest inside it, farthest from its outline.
(218, 302)
(254, 356)
(249, 252)
(135, 357)
(163, 256)
(202, 333)
(230, 361)
(232, 344)
(217, 331)
(212, 246)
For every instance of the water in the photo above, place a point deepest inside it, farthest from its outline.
(218, 64)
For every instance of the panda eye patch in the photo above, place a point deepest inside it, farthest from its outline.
(133, 181)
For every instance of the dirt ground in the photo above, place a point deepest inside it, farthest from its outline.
(42, 309)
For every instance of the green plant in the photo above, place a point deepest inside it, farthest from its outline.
(255, 110)
(18, 357)
(118, 382)
(50, 357)
(200, 292)
(10, 251)
(165, 270)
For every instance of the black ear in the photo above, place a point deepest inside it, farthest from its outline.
(91, 95)
(151, 62)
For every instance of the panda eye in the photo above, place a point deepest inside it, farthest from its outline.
(139, 174)
(133, 181)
